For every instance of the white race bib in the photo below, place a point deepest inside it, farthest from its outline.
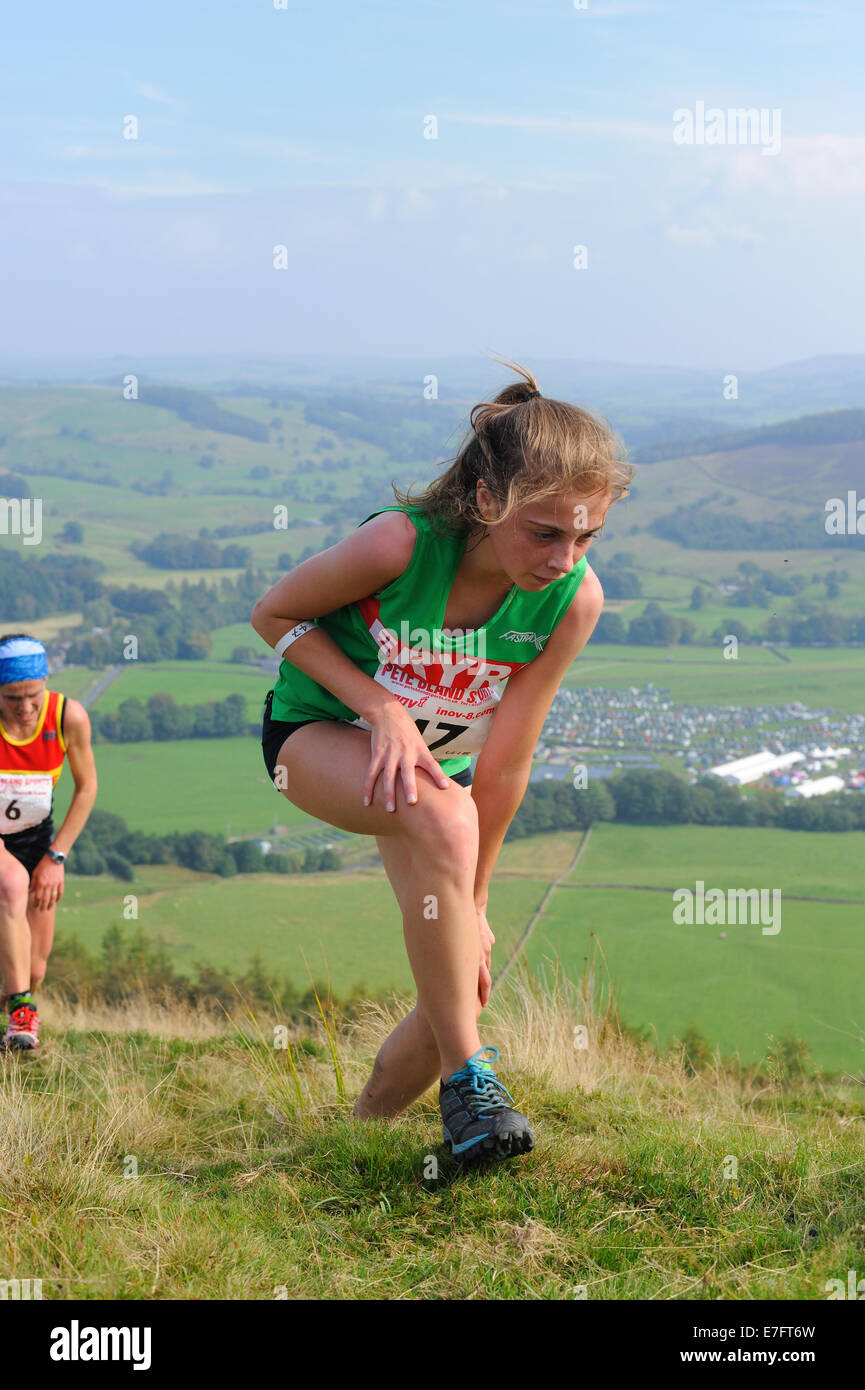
(25, 800)
(454, 721)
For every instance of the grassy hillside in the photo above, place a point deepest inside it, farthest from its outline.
(738, 990)
(823, 678)
(344, 926)
(154, 1155)
(103, 461)
(190, 682)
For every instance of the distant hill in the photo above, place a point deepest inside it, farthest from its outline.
(198, 409)
(827, 427)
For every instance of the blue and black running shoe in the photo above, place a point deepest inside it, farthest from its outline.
(477, 1122)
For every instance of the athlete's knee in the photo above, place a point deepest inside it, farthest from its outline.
(14, 887)
(444, 823)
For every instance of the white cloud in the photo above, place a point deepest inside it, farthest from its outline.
(275, 147)
(162, 185)
(658, 131)
(144, 89)
(121, 149)
(807, 166)
(615, 9)
(691, 236)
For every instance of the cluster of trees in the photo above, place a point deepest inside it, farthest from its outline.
(13, 485)
(107, 845)
(656, 628)
(167, 637)
(661, 798)
(757, 587)
(651, 628)
(619, 576)
(172, 624)
(247, 528)
(31, 585)
(130, 963)
(198, 409)
(174, 551)
(162, 719)
(699, 527)
(409, 428)
(823, 629)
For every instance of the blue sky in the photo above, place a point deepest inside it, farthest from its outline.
(304, 127)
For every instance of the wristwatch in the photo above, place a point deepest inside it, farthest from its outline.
(57, 855)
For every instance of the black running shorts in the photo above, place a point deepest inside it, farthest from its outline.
(28, 846)
(274, 732)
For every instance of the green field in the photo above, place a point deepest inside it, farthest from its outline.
(807, 864)
(190, 682)
(738, 989)
(342, 926)
(823, 678)
(225, 639)
(135, 443)
(187, 784)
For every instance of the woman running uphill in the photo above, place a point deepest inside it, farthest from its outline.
(395, 645)
(38, 728)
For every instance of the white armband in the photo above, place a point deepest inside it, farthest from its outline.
(292, 635)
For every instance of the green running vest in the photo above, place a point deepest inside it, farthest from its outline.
(449, 683)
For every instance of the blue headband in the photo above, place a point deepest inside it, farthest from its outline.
(22, 659)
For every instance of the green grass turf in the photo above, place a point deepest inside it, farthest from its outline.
(74, 681)
(190, 682)
(248, 1188)
(740, 989)
(817, 864)
(190, 784)
(225, 639)
(346, 926)
(822, 678)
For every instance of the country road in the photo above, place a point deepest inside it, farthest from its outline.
(102, 684)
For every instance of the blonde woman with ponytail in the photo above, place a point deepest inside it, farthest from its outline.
(439, 631)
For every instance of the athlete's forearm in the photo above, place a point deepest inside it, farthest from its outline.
(76, 818)
(318, 656)
(497, 796)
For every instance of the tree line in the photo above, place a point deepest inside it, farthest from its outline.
(174, 623)
(661, 798)
(107, 845)
(196, 408)
(655, 627)
(175, 551)
(699, 527)
(161, 719)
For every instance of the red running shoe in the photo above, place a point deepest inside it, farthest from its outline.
(23, 1028)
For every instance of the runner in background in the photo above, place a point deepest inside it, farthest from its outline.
(396, 645)
(38, 728)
